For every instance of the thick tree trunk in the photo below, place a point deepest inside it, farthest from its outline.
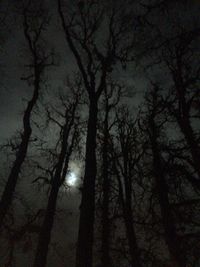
(131, 236)
(87, 208)
(9, 190)
(128, 217)
(45, 233)
(193, 145)
(60, 172)
(183, 120)
(170, 234)
(105, 246)
(128, 221)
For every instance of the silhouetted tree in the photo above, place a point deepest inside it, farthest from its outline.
(69, 133)
(111, 97)
(126, 155)
(154, 129)
(105, 258)
(95, 59)
(185, 74)
(34, 24)
(175, 50)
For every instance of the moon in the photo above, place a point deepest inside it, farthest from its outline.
(71, 178)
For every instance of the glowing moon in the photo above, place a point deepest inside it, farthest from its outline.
(71, 179)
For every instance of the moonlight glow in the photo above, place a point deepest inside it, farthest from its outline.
(71, 179)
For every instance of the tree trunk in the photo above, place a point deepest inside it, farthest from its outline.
(8, 192)
(131, 236)
(170, 234)
(188, 133)
(183, 120)
(87, 208)
(105, 246)
(60, 172)
(45, 233)
(128, 217)
(128, 221)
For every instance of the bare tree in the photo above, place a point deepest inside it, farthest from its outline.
(69, 133)
(185, 73)
(34, 24)
(175, 50)
(154, 127)
(105, 259)
(111, 97)
(83, 25)
(126, 155)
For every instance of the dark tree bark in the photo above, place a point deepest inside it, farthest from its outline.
(178, 53)
(170, 233)
(126, 202)
(124, 169)
(57, 181)
(45, 233)
(183, 118)
(105, 245)
(39, 62)
(111, 98)
(9, 189)
(95, 65)
(129, 225)
(86, 222)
